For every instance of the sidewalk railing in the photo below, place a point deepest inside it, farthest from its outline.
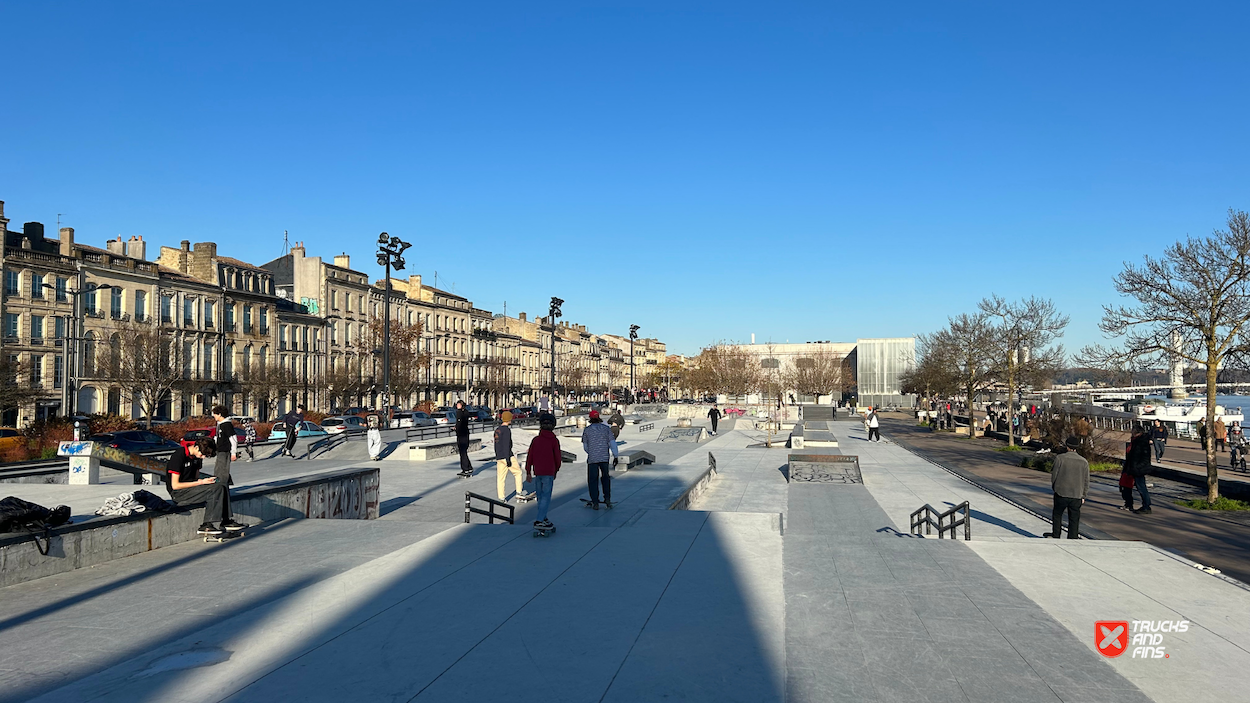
(929, 517)
(489, 512)
(429, 432)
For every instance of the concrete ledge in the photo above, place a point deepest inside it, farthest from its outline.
(696, 489)
(439, 448)
(350, 494)
(635, 458)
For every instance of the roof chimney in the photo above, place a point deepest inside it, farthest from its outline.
(343, 261)
(67, 241)
(186, 245)
(136, 248)
(297, 251)
(521, 317)
(116, 246)
(4, 221)
(33, 230)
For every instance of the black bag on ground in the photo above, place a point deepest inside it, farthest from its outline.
(17, 514)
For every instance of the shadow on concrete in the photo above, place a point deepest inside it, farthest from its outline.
(649, 606)
(392, 504)
(987, 518)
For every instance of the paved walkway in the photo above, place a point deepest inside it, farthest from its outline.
(1212, 539)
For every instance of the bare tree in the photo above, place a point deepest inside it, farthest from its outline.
(1192, 305)
(15, 384)
(1023, 332)
(722, 368)
(966, 351)
(933, 374)
(820, 373)
(146, 363)
(269, 383)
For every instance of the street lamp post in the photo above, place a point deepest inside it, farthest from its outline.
(390, 253)
(633, 336)
(554, 312)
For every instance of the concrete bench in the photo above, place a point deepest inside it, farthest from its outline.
(439, 448)
(347, 494)
(635, 458)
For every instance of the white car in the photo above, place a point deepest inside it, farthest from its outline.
(443, 418)
(339, 425)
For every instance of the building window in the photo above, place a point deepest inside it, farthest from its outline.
(347, 333)
(115, 304)
(92, 308)
(229, 317)
(58, 371)
(11, 283)
(227, 363)
(209, 309)
(188, 358)
(62, 290)
(12, 325)
(334, 300)
(247, 319)
(36, 286)
(141, 305)
(167, 309)
(188, 313)
(281, 337)
(60, 329)
(264, 321)
(36, 329)
(36, 370)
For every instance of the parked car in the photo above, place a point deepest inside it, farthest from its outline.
(306, 429)
(9, 438)
(135, 441)
(402, 420)
(526, 411)
(422, 419)
(192, 436)
(345, 423)
(444, 418)
(481, 415)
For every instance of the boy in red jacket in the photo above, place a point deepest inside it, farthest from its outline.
(542, 462)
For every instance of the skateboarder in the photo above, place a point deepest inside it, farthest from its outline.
(182, 479)
(714, 416)
(617, 422)
(597, 440)
(505, 459)
(373, 435)
(249, 437)
(542, 463)
(227, 449)
(874, 424)
(293, 421)
(462, 439)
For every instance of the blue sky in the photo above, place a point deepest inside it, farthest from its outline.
(705, 170)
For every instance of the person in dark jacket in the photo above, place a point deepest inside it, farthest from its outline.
(714, 416)
(293, 422)
(1138, 465)
(1159, 438)
(462, 438)
(617, 422)
(505, 458)
(1069, 479)
(542, 463)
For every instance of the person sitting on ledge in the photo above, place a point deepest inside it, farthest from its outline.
(182, 478)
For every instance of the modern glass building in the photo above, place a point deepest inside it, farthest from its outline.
(878, 365)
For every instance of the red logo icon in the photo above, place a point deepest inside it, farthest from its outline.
(1111, 637)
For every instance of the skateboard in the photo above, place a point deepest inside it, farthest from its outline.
(604, 503)
(544, 531)
(223, 538)
(463, 475)
(525, 497)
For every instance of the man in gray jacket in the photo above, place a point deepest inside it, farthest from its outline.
(598, 442)
(1069, 479)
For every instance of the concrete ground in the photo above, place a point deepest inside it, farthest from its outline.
(726, 602)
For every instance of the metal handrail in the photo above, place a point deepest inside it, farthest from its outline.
(945, 521)
(490, 513)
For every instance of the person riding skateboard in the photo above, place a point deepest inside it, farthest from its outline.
(542, 463)
(294, 420)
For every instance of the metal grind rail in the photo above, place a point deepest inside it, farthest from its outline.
(930, 518)
(489, 512)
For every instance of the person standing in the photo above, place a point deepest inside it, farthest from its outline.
(714, 415)
(1126, 480)
(249, 437)
(227, 445)
(598, 442)
(293, 421)
(1138, 465)
(1069, 479)
(1202, 433)
(874, 425)
(1236, 446)
(373, 435)
(542, 463)
(462, 439)
(1159, 438)
(505, 459)
(1221, 433)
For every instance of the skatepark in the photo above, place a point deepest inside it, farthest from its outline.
(717, 576)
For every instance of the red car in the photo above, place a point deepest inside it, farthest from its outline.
(193, 435)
